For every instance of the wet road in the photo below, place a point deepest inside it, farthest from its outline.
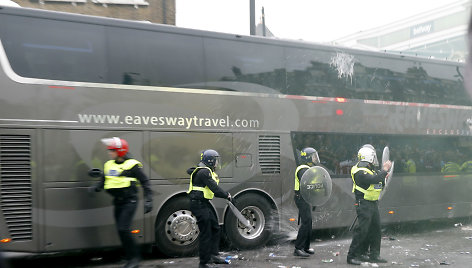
(424, 244)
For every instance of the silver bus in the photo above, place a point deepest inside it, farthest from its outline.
(68, 80)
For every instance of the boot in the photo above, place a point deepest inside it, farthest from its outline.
(300, 253)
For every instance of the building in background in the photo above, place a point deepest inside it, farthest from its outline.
(156, 11)
(440, 33)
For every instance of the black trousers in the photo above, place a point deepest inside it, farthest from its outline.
(367, 234)
(124, 211)
(304, 232)
(207, 222)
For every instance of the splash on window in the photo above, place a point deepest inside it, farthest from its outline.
(344, 64)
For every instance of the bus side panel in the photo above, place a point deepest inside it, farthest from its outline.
(172, 153)
(73, 217)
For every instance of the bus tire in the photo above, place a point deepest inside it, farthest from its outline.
(176, 229)
(260, 214)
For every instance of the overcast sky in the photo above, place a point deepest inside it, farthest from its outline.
(311, 20)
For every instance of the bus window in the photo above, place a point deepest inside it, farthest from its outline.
(412, 154)
(150, 58)
(65, 51)
(309, 73)
(244, 66)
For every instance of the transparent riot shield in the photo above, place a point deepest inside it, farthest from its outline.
(316, 186)
(388, 179)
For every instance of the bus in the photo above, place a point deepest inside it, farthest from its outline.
(69, 80)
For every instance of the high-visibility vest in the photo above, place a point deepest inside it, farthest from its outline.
(373, 192)
(207, 193)
(410, 166)
(113, 178)
(297, 180)
(451, 167)
(466, 166)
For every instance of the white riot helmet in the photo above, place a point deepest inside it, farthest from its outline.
(367, 153)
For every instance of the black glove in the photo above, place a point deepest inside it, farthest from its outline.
(230, 199)
(93, 189)
(147, 207)
(95, 173)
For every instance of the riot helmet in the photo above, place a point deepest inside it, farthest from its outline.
(210, 158)
(376, 161)
(309, 155)
(117, 144)
(368, 154)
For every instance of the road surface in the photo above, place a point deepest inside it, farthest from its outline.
(424, 244)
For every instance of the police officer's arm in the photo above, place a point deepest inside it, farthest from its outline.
(365, 178)
(97, 187)
(208, 181)
(137, 172)
(101, 184)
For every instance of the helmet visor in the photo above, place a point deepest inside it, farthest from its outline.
(376, 160)
(315, 159)
(217, 162)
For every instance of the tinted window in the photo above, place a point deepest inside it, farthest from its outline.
(445, 84)
(153, 58)
(412, 154)
(244, 66)
(315, 73)
(309, 73)
(59, 50)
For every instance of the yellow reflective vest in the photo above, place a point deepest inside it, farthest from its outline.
(466, 166)
(297, 180)
(410, 166)
(373, 192)
(113, 178)
(451, 167)
(207, 193)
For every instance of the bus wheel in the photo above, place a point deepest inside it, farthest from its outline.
(259, 213)
(176, 229)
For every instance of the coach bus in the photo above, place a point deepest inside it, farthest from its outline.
(68, 80)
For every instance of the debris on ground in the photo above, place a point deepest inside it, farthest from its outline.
(327, 260)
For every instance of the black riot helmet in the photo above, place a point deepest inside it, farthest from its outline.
(210, 158)
(309, 156)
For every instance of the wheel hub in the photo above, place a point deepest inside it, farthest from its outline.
(181, 227)
(256, 219)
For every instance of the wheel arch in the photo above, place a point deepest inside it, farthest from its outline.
(171, 198)
(166, 201)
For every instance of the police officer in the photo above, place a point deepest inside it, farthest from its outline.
(119, 179)
(203, 187)
(367, 185)
(308, 157)
(466, 166)
(451, 167)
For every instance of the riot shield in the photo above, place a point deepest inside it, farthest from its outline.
(385, 155)
(316, 186)
(388, 179)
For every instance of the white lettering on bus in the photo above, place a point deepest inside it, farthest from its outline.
(183, 122)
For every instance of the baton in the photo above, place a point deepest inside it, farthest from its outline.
(238, 215)
(352, 224)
